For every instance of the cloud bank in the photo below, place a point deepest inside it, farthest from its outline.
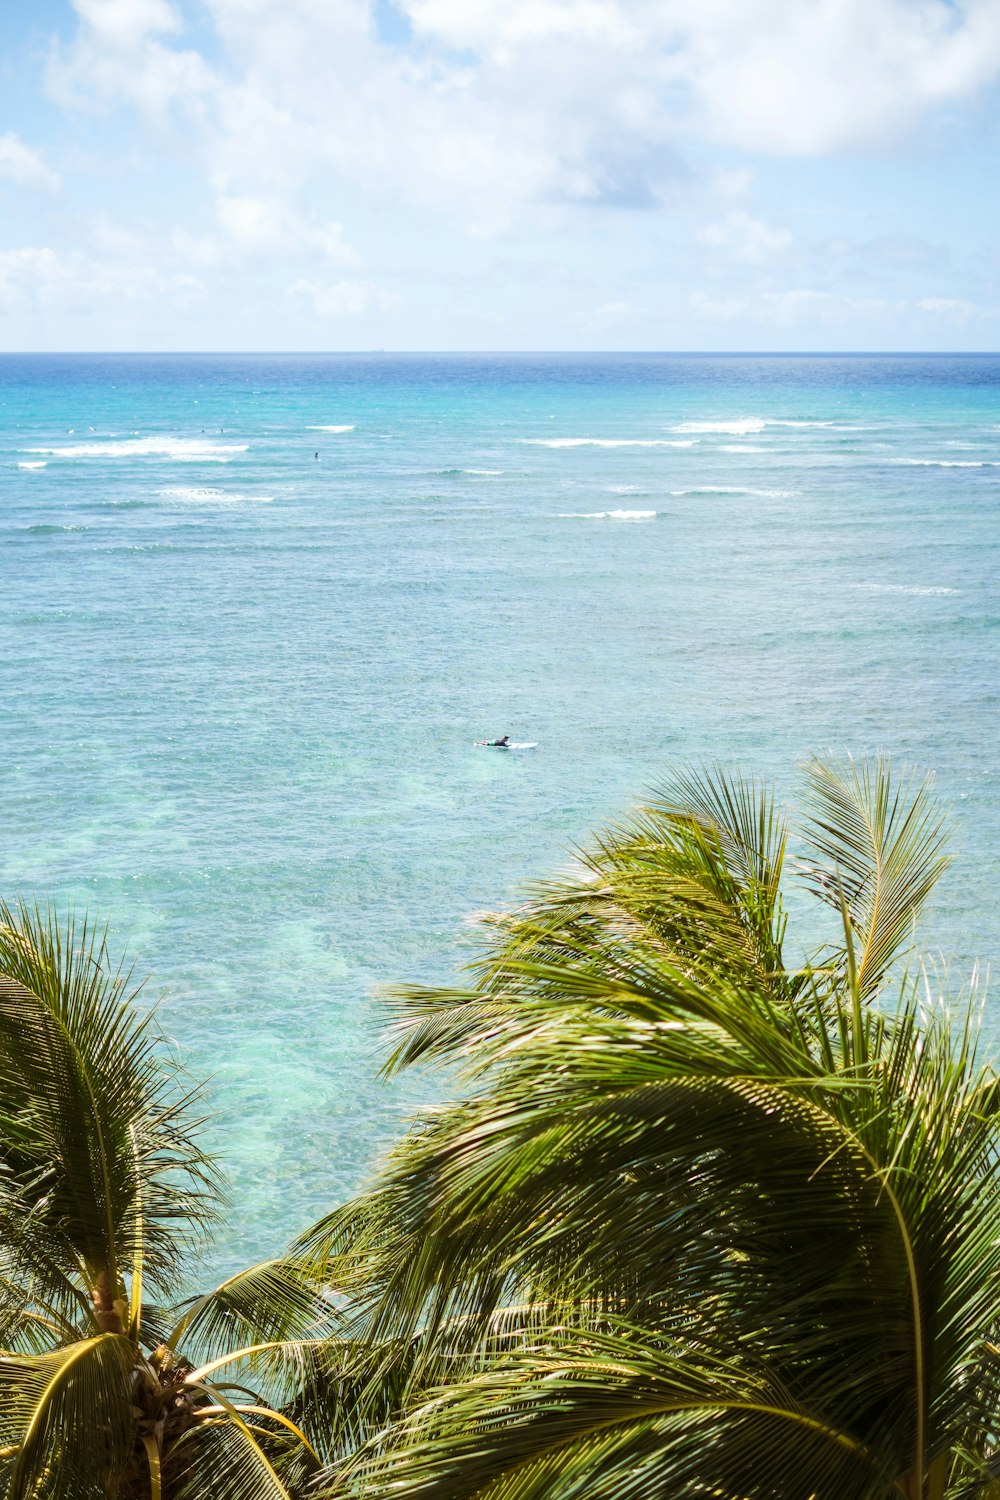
(294, 139)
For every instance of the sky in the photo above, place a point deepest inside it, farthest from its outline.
(499, 175)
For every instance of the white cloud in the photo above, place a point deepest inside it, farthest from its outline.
(618, 312)
(112, 239)
(804, 306)
(123, 52)
(503, 102)
(251, 228)
(39, 278)
(20, 164)
(125, 24)
(790, 77)
(745, 240)
(786, 309)
(283, 121)
(503, 29)
(343, 299)
(955, 308)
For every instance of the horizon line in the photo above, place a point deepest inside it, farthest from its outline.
(510, 353)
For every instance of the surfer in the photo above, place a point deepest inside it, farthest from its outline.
(500, 744)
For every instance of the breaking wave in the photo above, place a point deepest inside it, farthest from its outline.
(745, 426)
(736, 489)
(190, 450)
(591, 442)
(195, 495)
(741, 428)
(902, 588)
(949, 463)
(607, 515)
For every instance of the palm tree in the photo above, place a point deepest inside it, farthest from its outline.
(105, 1194)
(703, 1221)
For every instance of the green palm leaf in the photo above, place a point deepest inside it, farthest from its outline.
(690, 884)
(102, 1167)
(612, 1416)
(237, 1455)
(788, 1193)
(882, 844)
(690, 1225)
(276, 1300)
(66, 1425)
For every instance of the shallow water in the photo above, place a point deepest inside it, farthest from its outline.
(241, 683)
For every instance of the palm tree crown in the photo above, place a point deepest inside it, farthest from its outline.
(105, 1194)
(701, 1222)
(697, 1220)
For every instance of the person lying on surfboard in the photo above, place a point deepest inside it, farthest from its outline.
(500, 744)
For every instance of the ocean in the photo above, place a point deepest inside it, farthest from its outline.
(256, 610)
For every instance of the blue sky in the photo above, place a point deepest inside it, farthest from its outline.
(499, 174)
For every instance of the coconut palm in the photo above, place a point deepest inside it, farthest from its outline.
(703, 1221)
(105, 1194)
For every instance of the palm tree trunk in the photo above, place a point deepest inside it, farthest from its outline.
(107, 1310)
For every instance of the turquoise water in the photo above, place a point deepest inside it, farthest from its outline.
(240, 683)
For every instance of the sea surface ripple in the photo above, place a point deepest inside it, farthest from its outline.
(256, 609)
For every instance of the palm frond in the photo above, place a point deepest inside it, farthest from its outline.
(66, 1424)
(276, 1300)
(689, 883)
(631, 1193)
(611, 1416)
(882, 844)
(102, 1162)
(238, 1455)
(698, 869)
(659, 1123)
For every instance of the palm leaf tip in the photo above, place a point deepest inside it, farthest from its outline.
(881, 840)
(275, 1301)
(105, 1178)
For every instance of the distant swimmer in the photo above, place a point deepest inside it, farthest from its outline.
(315, 455)
(500, 744)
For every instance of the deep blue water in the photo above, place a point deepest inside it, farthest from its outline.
(240, 684)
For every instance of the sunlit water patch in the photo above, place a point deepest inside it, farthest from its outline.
(245, 731)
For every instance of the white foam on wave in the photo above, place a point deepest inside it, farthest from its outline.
(741, 427)
(607, 515)
(38, 463)
(626, 489)
(487, 473)
(744, 426)
(203, 495)
(190, 450)
(740, 448)
(736, 489)
(342, 427)
(902, 588)
(840, 426)
(949, 463)
(590, 442)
